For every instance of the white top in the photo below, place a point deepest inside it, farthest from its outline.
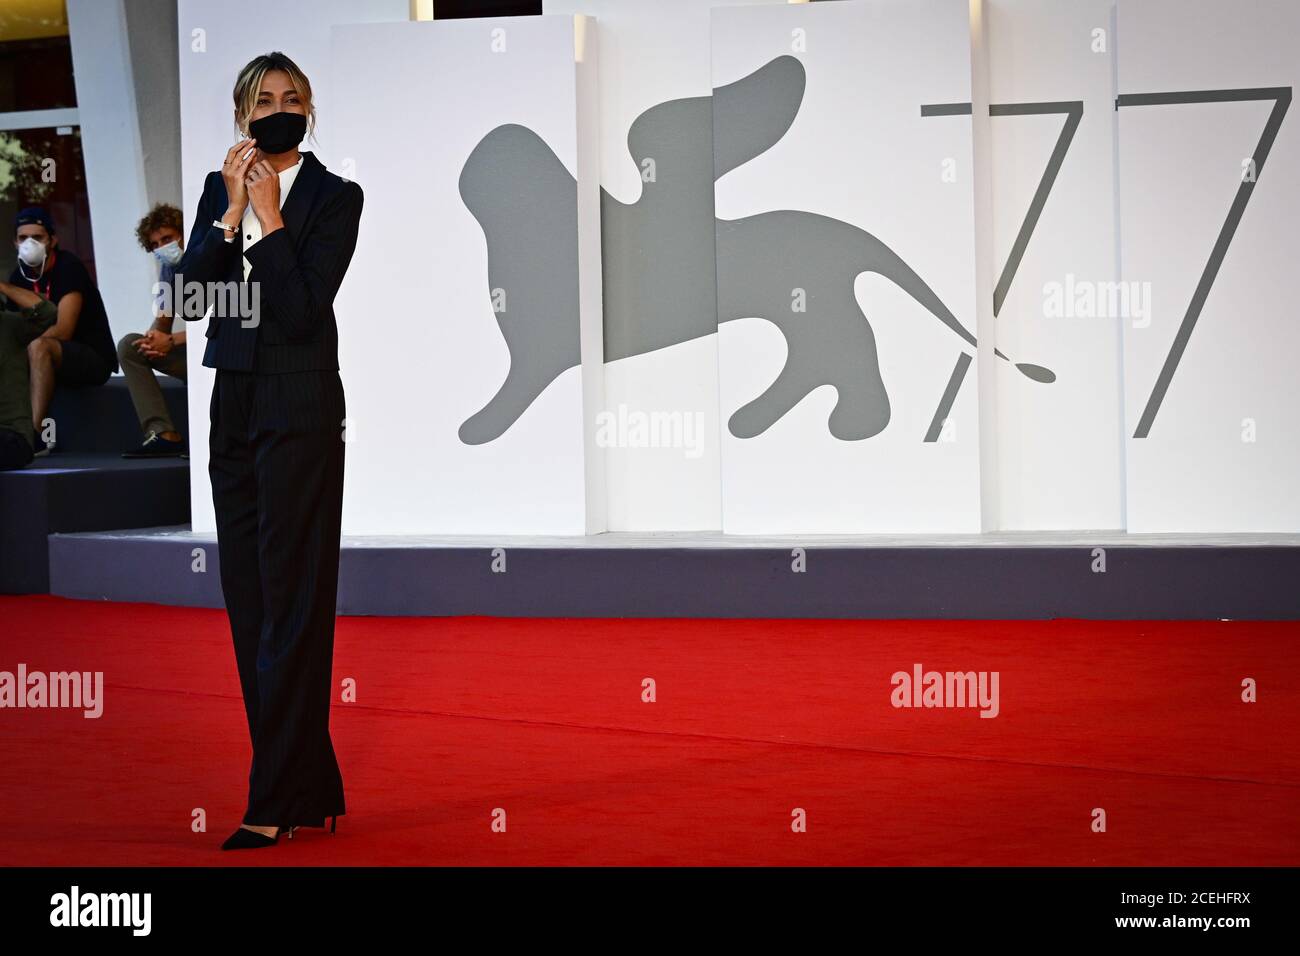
(250, 227)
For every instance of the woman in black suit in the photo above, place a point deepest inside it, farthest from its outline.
(275, 232)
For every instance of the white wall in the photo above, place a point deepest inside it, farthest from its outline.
(1058, 445)
(114, 160)
(1223, 451)
(859, 152)
(652, 53)
(215, 42)
(423, 351)
(151, 31)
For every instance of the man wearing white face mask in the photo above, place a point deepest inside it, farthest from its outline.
(161, 232)
(77, 350)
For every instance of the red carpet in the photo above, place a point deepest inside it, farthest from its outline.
(455, 717)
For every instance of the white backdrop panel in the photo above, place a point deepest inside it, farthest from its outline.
(658, 238)
(466, 419)
(858, 160)
(215, 41)
(1059, 445)
(1221, 450)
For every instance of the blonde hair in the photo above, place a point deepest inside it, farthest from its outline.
(249, 84)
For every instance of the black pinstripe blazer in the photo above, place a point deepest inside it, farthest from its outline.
(297, 269)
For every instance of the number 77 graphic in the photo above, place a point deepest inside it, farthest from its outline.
(1281, 97)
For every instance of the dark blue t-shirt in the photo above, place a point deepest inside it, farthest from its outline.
(65, 273)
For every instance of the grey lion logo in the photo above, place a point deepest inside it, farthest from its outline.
(659, 285)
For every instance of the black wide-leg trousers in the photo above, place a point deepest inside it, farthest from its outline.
(276, 465)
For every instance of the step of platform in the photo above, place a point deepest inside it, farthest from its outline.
(65, 492)
(1184, 577)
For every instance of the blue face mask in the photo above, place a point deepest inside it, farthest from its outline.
(170, 254)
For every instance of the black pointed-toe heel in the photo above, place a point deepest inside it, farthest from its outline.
(245, 839)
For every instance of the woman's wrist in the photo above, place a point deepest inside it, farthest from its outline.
(271, 223)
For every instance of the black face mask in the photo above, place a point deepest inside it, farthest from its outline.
(279, 132)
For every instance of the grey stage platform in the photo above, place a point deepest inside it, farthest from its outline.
(86, 485)
(1033, 576)
(80, 492)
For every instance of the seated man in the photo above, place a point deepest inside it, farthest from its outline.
(78, 348)
(159, 348)
(23, 316)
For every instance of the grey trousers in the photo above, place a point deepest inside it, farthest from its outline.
(146, 393)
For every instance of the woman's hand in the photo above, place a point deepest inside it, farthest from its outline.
(263, 184)
(235, 171)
